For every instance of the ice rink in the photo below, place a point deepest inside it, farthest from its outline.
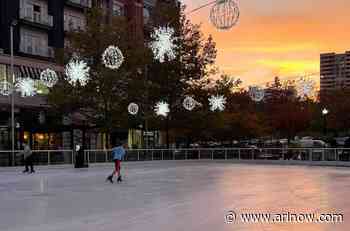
(169, 196)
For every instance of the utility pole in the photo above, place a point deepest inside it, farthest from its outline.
(13, 24)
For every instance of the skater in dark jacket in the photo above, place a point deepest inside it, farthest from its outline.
(28, 159)
(118, 154)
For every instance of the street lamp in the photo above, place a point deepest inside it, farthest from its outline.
(325, 113)
(13, 24)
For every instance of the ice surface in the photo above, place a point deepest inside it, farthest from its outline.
(169, 196)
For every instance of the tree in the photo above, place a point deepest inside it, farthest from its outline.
(103, 101)
(196, 55)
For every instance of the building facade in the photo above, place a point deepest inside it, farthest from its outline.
(39, 34)
(334, 71)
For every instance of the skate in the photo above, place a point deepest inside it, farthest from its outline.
(25, 171)
(119, 179)
(110, 179)
(32, 171)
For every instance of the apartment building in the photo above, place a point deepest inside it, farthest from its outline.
(334, 71)
(39, 31)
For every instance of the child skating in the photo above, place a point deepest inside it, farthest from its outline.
(118, 153)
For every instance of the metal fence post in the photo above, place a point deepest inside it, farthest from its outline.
(162, 154)
(252, 153)
(72, 157)
(88, 156)
(225, 154)
(323, 155)
(138, 155)
(152, 155)
(48, 158)
(186, 154)
(199, 154)
(106, 156)
(173, 155)
(239, 154)
(310, 154)
(212, 154)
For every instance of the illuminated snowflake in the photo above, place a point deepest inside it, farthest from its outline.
(112, 57)
(217, 103)
(189, 103)
(305, 87)
(48, 77)
(163, 45)
(77, 71)
(5, 88)
(26, 86)
(162, 109)
(133, 108)
(256, 93)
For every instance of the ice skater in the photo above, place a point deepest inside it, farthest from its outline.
(118, 154)
(28, 159)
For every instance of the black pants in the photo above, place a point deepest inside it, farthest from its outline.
(28, 162)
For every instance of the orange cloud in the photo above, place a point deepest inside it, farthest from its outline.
(282, 38)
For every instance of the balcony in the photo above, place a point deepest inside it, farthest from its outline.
(28, 15)
(47, 52)
(80, 3)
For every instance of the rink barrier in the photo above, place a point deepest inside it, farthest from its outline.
(302, 154)
(41, 157)
(60, 157)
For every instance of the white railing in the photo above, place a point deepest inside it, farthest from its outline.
(31, 16)
(37, 50)
(302, 154)
(84, 3)
(41, 157)
(57, 157)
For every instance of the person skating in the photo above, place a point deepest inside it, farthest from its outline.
(28, 159)
(118, 154)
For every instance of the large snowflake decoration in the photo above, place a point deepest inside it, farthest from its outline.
(26, 86)
(217, 102)
(305, 87)
(163, 44)
(256, 93)
(189, 103)
(112, 57)
(162, 108)
(48, 77)
(133, 108)
(5, 88)
(77, 71)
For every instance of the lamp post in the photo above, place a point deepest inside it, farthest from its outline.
(13, 24)
(325, 113)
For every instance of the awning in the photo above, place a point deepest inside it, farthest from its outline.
(33, 73)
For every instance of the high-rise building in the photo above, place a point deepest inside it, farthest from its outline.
(39, 32)
(335, 71)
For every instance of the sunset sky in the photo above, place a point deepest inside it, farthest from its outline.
(278, 37)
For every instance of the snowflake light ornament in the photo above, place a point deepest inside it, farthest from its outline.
(305, 87)
(112, 57)
(48, 77)
(163, 45)
(77, 71)
(189, 103)
(217, 102)
(256, 93)
(5, 88)
(26, 86)
(133, 108)
(162, 108)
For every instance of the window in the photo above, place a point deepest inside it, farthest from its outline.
(118, 8)
(33, 42)
(74, 21)
(36, 8)
(3, 76)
